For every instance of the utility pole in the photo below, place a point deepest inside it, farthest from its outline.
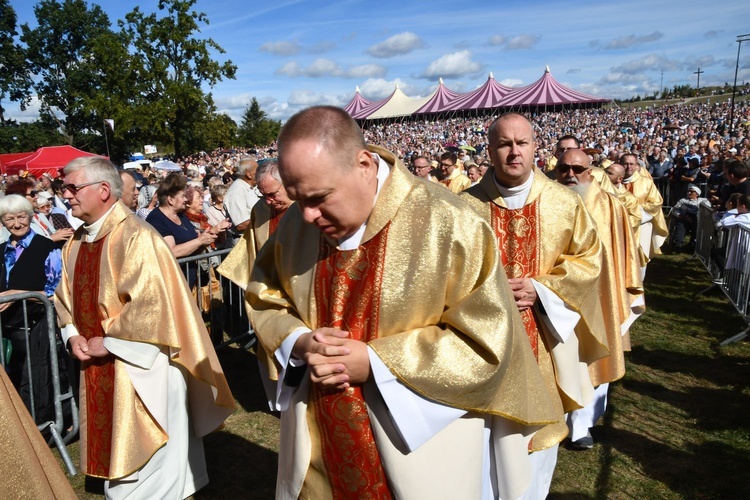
(740, 39)
(661, 85)
(698, 90)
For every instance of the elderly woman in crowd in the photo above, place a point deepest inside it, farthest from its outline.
(174, 225)
(29, 262)
(39, 222)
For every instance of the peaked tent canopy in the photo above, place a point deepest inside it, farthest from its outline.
(487, 96)
(399, 104)
(357, 104)
(547, 92)
(439, 100)
(50, 159)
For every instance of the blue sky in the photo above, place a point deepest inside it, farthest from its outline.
(293, 54)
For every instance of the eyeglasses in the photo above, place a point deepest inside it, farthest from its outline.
(446, 165)
(271, 195)
(420, 167)
(74, 188)
(563, 168)
(32, 194)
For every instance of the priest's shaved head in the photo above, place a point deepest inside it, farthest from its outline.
(511, 141)
(616, 173)
(315, 145)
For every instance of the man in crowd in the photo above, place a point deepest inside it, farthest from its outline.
(620, 285)
(241, 196)
(453, 178)
(552, 256)
(654, 229)
(423, 168)
(616, 174)
(473, 173)
(353, 286)
(264, 220)
(129, 190)
(126, 313)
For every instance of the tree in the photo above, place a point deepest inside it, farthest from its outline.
(14, 75)
(256, 128)
(61, 54)
(171, 66)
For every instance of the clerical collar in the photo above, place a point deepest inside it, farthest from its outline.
(353, 241)
(515, 197)
(92, 230)
(627, 180)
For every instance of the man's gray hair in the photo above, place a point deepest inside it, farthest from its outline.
(97, 169)
(245, 163)
(268, 167)
(15, 203)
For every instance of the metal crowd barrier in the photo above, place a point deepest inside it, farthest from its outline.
(225, 312)
(57, 426)
(726, 255)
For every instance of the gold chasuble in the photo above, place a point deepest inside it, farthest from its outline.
(237, 265)
(424, 290)
(619, 282)
(553, 240)
(643, 187)
(126, 284)
(456, 181)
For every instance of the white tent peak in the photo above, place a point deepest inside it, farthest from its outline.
(547, 70)
(492, 77)
(357, 89)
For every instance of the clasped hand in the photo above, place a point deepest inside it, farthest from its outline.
(84, 349)
(335, 360)
(523, 292)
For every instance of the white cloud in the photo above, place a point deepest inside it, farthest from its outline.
(699, 62)
(522, 42)
(451, 66)
(283, 48)
(290, 69)
(321, 47)
(366, 71)
(306, 98)
(379, 88)
(628, 41)
(400, 44)
(650, 62)
(322, 67)
(497, 40)
(573, 71)
(511, 82)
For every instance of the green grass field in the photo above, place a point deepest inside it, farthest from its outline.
(676, 427)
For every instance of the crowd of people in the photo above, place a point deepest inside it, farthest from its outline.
(516, 244)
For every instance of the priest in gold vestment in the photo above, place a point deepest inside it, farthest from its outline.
(453, 177)
(151, 384)
(552, 255)
(264, 219)
(620, 286)
(388, 293)
(654, 230)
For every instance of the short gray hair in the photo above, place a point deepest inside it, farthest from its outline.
(246, 163)
(15, 203)
(98, 169)
(268, 167)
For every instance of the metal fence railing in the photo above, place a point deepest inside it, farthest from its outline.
(726, 255)
(30, 350)
(221, 302)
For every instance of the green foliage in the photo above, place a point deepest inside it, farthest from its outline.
(14, 74)
(256, 128)
(23, 137)
(61, 53)
(170, 67)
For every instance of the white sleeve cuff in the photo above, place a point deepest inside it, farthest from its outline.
(645, 217)
(283, 393)
(416, 418)
(138, 354)
(559, 319)
(68, 331)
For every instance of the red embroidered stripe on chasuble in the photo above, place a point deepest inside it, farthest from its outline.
(275, 219)
(517, 233)
(99, 373)
(347, 291)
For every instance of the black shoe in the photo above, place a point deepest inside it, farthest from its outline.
(585, 443)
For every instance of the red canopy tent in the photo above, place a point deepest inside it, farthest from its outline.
(49, 159)
(9, 157)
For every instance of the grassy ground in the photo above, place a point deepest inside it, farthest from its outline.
(676, 426)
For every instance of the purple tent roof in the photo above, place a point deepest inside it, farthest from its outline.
(547, 92)
(372, 107)
(488, 95)
(356, 104)
(438, 102)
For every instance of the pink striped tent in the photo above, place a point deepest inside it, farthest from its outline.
(547, 92)
(439, 100)
(487, 96)
(363, 113)
(357, 104)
